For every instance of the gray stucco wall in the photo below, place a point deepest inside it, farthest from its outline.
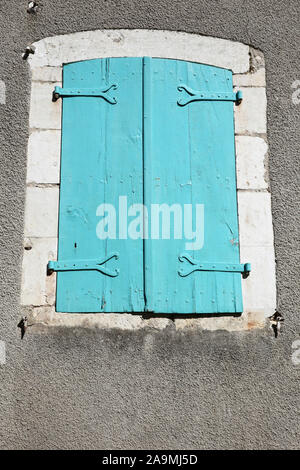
(75, 388)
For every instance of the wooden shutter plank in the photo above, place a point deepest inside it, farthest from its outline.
(101, 159)
(191, 159)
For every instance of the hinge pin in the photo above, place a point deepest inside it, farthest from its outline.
(55, 96)
(239, 97)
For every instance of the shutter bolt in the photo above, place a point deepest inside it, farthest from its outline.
(28, 50)
(32, 7)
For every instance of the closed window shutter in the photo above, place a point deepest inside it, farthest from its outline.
(101, 159)
(190, 159)
(159, 132)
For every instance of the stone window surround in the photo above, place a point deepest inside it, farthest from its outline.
(42, 193)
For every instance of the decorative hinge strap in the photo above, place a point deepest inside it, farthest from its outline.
(94, 92)
(193, 265)
(194, 95)
(84, 265)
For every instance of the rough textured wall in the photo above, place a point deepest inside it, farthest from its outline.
(79, 388)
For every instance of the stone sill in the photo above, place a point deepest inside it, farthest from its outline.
(42, 318)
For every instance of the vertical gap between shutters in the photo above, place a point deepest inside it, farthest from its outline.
(144, 195)
(147, 179)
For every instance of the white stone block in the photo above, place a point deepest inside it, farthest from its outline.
(41, 212)
(2, 352)
(255, 218)
(44, 113)
(255, 79)
(42, 315)
(2, 92)
(120, 321)
(250, 162)
(250, 115)
(259, 289)
(41, 59)
(44, 157)
(55, 50)
(247, 321)
(157, 323)
(47, 74)
(36, 287)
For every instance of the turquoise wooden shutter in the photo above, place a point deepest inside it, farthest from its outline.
(158, 132)
(190, 159)
(101, 159)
